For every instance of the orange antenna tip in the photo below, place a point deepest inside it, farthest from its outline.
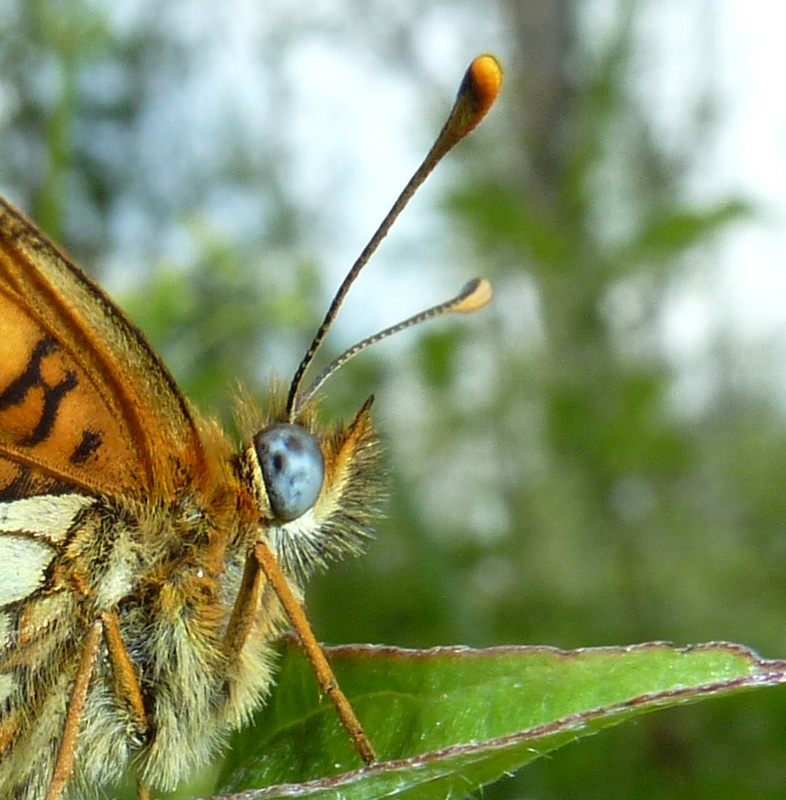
(484, 76)
(479, 89)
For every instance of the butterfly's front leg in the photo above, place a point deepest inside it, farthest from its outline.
(127, 688)
(143, 792)
(127, 691)
(328, 683)
(64, 764)
(261, 565)
(244, 611)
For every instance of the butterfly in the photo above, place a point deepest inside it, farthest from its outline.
(147, 563)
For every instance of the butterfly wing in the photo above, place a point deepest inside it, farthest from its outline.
(89, 416)
(85, 403)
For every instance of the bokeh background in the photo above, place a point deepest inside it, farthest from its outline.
(597, 458)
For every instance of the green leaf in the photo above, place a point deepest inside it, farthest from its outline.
(448, 720)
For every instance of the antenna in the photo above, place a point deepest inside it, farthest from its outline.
(478, 91)
(475, 295)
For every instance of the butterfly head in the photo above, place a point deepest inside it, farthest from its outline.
(317, 489)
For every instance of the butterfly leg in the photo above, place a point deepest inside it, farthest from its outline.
(127, 686)
(263, 563)
(143, 792)
(244, 610)
(126, 683)
(324, 672)
(64, 763)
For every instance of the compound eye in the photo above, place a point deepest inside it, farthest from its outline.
(293, 469)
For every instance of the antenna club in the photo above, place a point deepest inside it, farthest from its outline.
(485, 76)
(476, 294)
(479, 89)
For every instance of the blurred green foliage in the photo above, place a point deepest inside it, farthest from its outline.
(549, 482)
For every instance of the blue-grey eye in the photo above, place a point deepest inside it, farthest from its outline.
(293, 469)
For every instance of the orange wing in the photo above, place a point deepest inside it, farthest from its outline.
(85, 403)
